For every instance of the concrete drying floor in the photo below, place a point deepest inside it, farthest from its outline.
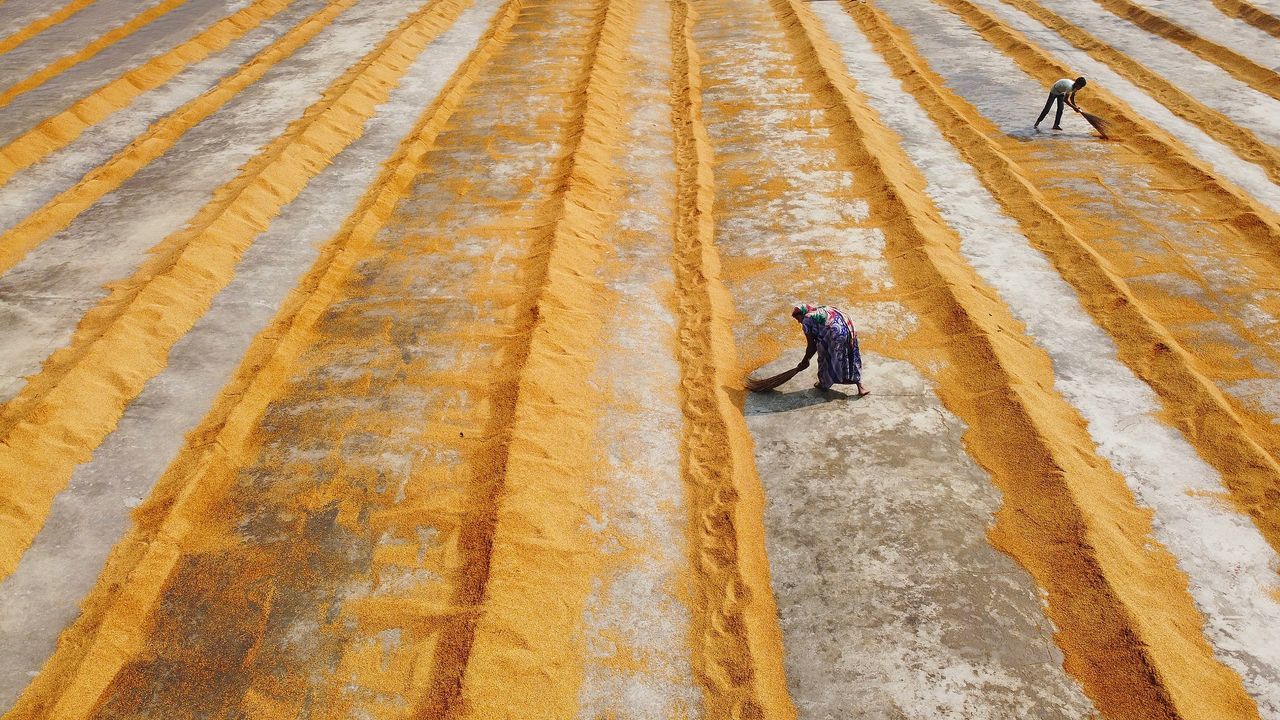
(384, 359)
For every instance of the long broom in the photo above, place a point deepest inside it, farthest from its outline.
(769, 383)
(1098, 123)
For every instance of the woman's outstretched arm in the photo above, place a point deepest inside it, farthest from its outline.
(809, 351)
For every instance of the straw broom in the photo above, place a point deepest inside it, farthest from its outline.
(769, 383)
(1098, 123)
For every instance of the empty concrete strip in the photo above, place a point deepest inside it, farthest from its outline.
(876, 520)
(1163, 470)
(83, 525)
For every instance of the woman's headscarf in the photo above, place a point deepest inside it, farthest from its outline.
(811, 312)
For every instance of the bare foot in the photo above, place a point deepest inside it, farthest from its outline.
(863, 391)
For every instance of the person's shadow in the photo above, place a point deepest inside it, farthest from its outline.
(797, 393)
(776, 401)
(1031, 134)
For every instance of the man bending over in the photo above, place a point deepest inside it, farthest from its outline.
(1064, 91)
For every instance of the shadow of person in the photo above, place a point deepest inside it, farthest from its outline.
(766, 403)
(1031, 134)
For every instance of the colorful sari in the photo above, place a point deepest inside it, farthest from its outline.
(839, 361)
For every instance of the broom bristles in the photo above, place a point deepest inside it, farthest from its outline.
(769, 383)
(1098, 123)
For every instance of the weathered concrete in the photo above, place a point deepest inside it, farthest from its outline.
(89, 517)
(892, 602)
(43, 296)
(1210, 540)
(156, 37)
(29, 189)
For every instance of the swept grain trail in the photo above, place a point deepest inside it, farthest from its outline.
(312, 367)
(1260, 78)
(528, 650)
(35, 605)
(57, 213)
(13, 40)
(49, 428)
(737, 645)
(879, 606)
(638, 609)
(1214, 123)
(1209, 540)
(94, 47)
(60, 130)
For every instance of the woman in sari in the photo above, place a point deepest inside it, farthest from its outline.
(832, 338)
